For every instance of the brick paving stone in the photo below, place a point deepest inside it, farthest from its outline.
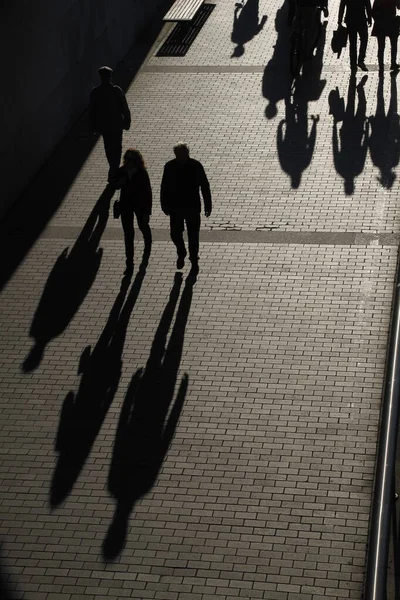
(264, 490)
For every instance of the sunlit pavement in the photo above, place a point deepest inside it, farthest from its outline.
(186, 440)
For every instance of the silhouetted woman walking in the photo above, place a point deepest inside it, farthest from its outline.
(136, 198)
(386, 25)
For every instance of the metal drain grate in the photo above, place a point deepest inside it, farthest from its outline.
(184, 34)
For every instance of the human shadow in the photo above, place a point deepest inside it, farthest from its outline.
(68, 283)
(83, 413)
(384, 140)
(246, 25)
(350, 144)
(148, 419)
(295, 137)
(277, 80)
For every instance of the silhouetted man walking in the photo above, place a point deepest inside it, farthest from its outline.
(180, 199)
(358, 14)
(109, 115)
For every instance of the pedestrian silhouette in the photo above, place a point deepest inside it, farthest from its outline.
(386, 24)
(246, 25)
(350, 145)
(180, 200)
(83, 413)
(357, 16)
(68, 283)
(277, 81)
(384, 141)
(149, 418)
(135, 199)
(109, 115)
(295, 140)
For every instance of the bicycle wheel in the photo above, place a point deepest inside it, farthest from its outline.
(295, 55)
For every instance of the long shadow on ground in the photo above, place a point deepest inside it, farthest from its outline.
(68, 283)
(295, 137)
(246, 25)
(83, 414)
(148, 418)
(350, 140)
(384, 139)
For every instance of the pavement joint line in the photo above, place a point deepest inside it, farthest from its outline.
(235, 69)
(267, 236)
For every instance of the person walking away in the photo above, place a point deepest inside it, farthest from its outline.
(182, 179)
(357, 16)
(386, 24)
(109, 115)
(136, 199)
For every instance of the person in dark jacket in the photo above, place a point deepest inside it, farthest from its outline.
(180, 199)
(386, 25)
(109, 115)
(357, 19)
(136, 199)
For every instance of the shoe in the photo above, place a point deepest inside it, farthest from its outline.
(362, 65)
(180, 263)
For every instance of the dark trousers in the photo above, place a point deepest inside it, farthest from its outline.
(113, 149)
(357, 30)
(177, 224)
(129, 232)
(381, 49)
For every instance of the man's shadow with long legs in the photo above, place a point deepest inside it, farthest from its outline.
(277, 79)
(149, 418)
(69, 282)
(384, 140)
(295, 138)
(350, 143)
(246, 25)
(83, 413)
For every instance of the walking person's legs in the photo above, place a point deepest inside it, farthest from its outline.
(176, 223)
(353, 48)
(129, 235)
(144, 226)
(113, 149)
(193, 231)
(363, 33)
(381, 51)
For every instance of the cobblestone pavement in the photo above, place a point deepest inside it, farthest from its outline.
(186, 442)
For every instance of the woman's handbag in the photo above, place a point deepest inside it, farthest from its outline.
(339, 40)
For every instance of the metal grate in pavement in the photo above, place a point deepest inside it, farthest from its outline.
(184, 34)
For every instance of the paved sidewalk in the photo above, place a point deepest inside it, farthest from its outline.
(186, 442)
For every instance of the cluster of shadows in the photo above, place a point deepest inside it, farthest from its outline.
(353, 133)
(150, 412)
(380, 133)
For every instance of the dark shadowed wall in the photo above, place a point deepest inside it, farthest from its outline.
(50, 50)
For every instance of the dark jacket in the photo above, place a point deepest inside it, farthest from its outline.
(108, 109)
(180, 188)
(357, 12)
(384, 14)
(136, 194)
